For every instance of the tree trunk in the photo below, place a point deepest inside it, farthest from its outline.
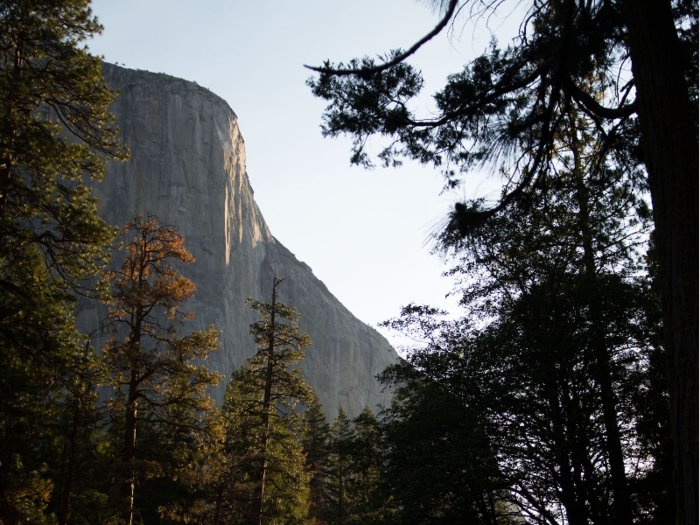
(670, 146)
(260, 486)
(575, 511)
(599, 351)
(127, 486)
(341, 498)
(70, 470)
(267, 396)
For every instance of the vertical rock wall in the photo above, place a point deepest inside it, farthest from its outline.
(188, 167)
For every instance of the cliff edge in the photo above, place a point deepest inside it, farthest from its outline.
(188, 167)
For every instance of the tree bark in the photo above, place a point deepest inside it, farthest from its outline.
(670, 147)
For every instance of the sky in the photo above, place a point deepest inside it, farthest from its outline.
(365, 233)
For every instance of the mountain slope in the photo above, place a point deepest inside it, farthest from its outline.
(188, 168)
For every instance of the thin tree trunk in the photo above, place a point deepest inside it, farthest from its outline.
(622, 504)
(575, 444)
(575, 511)
(127, 486)
(341, 498)
(267, 396)
(72, 458)
(126, 491)
(5, 171)
(260, 488)
(670, 145)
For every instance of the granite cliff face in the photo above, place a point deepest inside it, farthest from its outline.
(188, 167)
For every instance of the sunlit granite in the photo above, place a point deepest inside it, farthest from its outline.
(188, 167)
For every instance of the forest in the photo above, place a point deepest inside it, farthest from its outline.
(564, 391)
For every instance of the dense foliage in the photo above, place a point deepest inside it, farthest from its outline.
(350, 469)
(52, 241)
(159, 381)
(545, 403)
(630, 67)
(261, 401)
(557, 366)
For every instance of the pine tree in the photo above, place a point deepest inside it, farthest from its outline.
(159, 382)
(82, 430)
(261, 405)
(217, 485)
(340, 471)
(441, 459)
(372, 503)
(54, 134)
(316, 433)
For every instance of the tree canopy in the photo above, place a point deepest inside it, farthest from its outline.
(630, 67)
(552, 368)
(55, 134)
(157, 374)
(269, 393)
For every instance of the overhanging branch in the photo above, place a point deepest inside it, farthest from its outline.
(398, 59)
(596, 108)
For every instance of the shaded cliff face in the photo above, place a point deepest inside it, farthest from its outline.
(188, 168)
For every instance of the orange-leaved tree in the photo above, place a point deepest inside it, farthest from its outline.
(159, 381)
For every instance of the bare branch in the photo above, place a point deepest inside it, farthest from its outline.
(398, 59)
(594, 107)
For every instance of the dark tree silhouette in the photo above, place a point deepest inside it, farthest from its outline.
(507, 108)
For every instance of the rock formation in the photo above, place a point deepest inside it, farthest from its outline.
(188, 167)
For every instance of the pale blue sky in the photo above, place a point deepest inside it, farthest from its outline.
(362, 232)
